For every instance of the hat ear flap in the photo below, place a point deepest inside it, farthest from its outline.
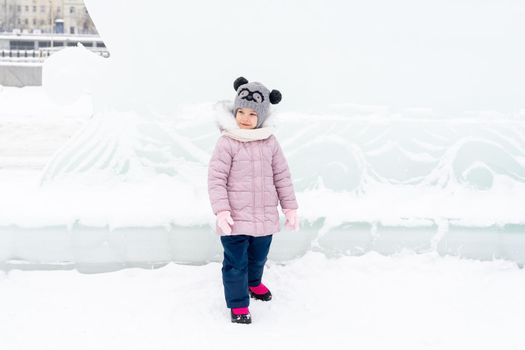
(238, 82)
(275, 97)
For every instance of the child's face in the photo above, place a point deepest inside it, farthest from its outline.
(246, 118)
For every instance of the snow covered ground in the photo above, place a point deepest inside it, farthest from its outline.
(404, 301)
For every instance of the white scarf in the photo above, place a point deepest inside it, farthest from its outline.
(229, 127)
(246, 135)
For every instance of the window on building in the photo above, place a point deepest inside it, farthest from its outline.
(26, 21)
(72, 9)
(18, 20)
(43, 8)
(34, 8)
(27, 8)
(34, 21)
(42, 22)
(71, 30)
(21, 45)
(18, 8)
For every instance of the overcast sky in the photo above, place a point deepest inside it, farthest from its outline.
(448, 55)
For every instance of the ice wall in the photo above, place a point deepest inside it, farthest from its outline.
(129, 190)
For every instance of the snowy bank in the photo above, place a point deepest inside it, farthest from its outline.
(404, 301)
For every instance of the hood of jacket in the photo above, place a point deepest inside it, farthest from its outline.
(227, 125)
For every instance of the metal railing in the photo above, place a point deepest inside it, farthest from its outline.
(39, 55)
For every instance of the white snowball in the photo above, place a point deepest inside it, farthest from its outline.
(70, 73)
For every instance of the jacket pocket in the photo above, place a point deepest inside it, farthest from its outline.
(240, 199)
(270, 198)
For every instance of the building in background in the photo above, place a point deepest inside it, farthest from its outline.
(45, 16)
(76, 18)
(32, 30)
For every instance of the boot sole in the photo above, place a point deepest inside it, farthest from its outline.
(241, 320)
(264, 297)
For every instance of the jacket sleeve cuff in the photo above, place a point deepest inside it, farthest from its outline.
(221, 206)
(287, 210)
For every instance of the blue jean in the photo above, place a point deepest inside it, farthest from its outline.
(243, 265)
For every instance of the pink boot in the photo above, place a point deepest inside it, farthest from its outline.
(241, 315)
(260, 292)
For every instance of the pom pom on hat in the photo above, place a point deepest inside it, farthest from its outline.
(238, 82)
(275, 97)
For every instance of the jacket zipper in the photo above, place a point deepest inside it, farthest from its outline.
(253, 190)
(262, 183)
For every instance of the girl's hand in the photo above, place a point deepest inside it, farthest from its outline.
(291, 219)
(223, 219)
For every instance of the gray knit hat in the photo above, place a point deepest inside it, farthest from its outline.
(256, 96)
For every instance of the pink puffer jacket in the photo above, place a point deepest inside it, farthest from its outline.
(249, 179)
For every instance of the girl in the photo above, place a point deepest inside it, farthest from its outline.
(247, 176)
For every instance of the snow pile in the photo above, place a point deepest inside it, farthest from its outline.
(33, 127)
(73, 72)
